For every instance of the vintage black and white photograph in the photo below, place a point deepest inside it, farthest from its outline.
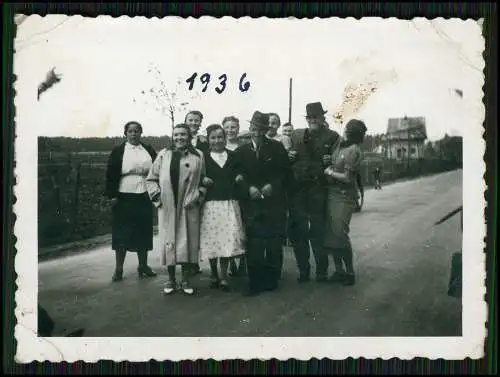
(249, 188)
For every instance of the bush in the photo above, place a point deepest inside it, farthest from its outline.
(71, 205)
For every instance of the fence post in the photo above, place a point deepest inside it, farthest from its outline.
(57, 195)
(75, 197)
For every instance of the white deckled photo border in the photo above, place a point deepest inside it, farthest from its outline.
(30, 347)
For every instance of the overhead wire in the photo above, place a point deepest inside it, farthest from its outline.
(25, 41)
(451, 42)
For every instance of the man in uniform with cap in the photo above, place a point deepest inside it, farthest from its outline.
(265, 177)
(310, 155)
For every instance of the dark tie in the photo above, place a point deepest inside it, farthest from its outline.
(257, 151)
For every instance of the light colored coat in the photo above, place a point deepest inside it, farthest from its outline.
(178, 228)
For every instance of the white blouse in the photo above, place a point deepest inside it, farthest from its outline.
(135, 167)
(219, 157)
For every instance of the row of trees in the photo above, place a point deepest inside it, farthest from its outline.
(95, 144)
(92, 144)
(447, 148)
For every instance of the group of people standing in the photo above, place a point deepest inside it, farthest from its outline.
(222, 201)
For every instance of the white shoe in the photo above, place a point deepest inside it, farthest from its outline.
(169, 288)
(187, 289)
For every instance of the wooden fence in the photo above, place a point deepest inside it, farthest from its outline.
(71, 205)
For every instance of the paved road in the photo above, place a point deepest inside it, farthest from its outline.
(402, 265)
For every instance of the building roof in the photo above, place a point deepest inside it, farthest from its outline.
(398, 128)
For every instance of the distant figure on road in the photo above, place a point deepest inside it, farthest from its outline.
(231, 127)
(341, 203)
(175, 187)
(128, 166)
(266, 174)
(310, 155)
(376, 178)
(222, 235)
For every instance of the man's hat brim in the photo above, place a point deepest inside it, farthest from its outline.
(315, 115)
(258, 124)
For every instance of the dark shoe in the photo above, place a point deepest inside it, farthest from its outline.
(214, 283)
(233, 273)
(197, 270)
(304, 279)
(338, 277)
(271, 287)
(224, 286)
(349, 279)
(117, 276)
(321, 279)
(238, 273)
(145, 271)
(252, 293)
(233, 268)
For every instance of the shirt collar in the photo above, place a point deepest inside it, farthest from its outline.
(132, 146)
(221, 153)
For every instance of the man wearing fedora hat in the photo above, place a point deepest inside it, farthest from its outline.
(311, 154)
(266, 175)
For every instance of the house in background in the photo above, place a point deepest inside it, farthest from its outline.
(405, 138)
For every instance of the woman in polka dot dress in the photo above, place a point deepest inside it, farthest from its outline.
(221, 234)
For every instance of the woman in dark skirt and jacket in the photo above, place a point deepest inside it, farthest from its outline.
(222, 234)
(132, 210)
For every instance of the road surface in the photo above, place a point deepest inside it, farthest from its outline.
(402, 263)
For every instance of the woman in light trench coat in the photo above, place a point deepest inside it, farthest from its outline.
(175, 187)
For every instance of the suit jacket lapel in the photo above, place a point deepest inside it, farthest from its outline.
(264, 146)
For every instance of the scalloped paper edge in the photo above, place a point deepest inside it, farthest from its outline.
(32, 348)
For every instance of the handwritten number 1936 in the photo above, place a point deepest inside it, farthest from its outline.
(222, 79)
(244, 85)
(205, 79)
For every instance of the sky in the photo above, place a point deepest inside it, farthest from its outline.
(104, 64)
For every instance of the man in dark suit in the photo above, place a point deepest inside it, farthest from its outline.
(310, 155)
(266, 175)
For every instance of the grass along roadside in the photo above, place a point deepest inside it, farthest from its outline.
(76, 247)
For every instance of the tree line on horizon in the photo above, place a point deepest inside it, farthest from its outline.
(105, 144)
(449, 147)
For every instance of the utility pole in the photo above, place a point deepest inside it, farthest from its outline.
(390, 154)
(290, 102)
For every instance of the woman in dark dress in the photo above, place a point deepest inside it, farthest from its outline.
(341, 202)
(132, 210)
(221, 235)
